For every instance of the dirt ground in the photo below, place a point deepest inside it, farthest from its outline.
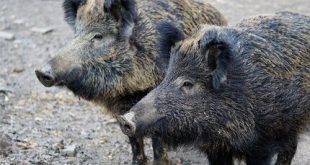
(41, 125)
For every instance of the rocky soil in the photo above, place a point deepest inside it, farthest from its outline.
(41, 125)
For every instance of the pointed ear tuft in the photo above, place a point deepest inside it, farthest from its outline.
(70, 10)
(219, 74)
(169, 35)
(124, 11)
(218, 52)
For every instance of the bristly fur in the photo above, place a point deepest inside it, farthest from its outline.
(113, 59)
(134, 64)
(219, 55)
(257, 101)
(169, 35)
(125, 10)
(70, 10)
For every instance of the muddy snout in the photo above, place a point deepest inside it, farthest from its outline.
(46, 76)
(127, 123)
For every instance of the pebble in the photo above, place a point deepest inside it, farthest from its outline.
(7, 36)
(69, 151)
(5, 90)
(110, 121)
(38, 119)
(19, 21)
(18, 69)
(4, 8)
(58, 146)
(5, 145)
(43, 30)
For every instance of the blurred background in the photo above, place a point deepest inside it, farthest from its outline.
(41, 125)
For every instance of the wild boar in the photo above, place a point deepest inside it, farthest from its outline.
(240, 91)
(113, 59)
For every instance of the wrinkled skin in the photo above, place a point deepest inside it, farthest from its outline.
(233, 92)
(113, 60)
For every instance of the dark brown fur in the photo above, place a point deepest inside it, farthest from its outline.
(113, 59)
(241, 91)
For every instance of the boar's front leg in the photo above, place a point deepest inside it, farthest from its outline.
(220, 157)
(160, 152)
(137, 147)
(287, 152)
(260, 156)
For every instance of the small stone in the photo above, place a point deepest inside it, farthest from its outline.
(43, 30)
(5, 90)
(5, 94)
(7, 36)
(69, 151)
(19, 21)
(38, 119)
(4, 8)
(110, 121)
(6, 98)
(18, 69)
(103, 140)
(26, 146)
(58, 146)
(5, 145)
(110, 156)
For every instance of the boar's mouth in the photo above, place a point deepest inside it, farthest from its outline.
(154, 128)
(71, 80)
(60, 83)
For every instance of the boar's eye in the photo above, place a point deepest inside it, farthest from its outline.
(98, 37)
(187, 86)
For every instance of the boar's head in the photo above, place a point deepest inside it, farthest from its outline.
(99, 61)
(202, 95)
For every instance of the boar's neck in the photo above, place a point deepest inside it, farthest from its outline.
(120, 105)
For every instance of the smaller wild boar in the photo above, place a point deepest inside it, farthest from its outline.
(239, 91)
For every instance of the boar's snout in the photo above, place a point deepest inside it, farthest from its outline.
(46, 76)
(58, 70)
(141, 117)
(127, 123)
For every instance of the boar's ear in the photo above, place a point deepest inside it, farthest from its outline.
(218, 52)
(124, 11)
(169, 35)
(70, 8)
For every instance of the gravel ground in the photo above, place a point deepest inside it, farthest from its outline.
(49, 125)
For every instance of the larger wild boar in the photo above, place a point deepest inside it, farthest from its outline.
(113, 59)
(239, 91)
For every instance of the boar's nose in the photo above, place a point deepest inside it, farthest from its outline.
(128, 126)
(46, 76)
